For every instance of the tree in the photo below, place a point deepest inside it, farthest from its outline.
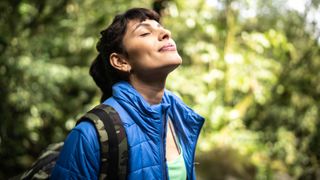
(249, 67)
(46, 50)
(254, 70)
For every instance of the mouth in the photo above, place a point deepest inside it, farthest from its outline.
(168, 47)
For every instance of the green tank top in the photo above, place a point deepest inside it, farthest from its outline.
(177, 169)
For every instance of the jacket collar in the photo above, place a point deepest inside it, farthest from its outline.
(133, 101)
(150, 118)
(129, 96)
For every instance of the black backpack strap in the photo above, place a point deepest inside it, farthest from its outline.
(113, 141)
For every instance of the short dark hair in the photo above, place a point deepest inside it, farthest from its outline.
(111, 41)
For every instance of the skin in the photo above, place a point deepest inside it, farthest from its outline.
(148, 67)
(152, 55)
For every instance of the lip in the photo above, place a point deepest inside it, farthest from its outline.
(168, 47)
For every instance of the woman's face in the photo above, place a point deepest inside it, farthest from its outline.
(150, 49)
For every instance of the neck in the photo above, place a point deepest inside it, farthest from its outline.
(151, 91)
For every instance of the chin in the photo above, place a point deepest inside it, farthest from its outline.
(175, 59)
(171, 63)
(173, 66)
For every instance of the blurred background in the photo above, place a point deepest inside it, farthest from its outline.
(250, 67)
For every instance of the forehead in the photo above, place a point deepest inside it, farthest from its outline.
(133, 24)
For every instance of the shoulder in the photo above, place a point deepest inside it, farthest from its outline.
(86, 129)
(79, 157)
(82, 139)
(87, 132)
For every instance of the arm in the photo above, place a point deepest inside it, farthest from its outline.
(80, 156)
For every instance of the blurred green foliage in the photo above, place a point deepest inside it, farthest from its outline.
(251, 68)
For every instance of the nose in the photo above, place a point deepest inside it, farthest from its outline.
(164, 34)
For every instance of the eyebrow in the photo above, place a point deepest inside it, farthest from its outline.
(145, 25)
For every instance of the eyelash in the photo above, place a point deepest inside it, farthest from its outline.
(145, 34)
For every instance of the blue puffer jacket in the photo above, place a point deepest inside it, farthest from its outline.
(145, 126)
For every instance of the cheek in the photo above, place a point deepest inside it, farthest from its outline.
(135, 53)
(140, 52)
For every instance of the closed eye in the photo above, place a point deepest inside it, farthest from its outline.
(145, 34)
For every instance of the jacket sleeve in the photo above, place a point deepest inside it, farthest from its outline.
(80, 155)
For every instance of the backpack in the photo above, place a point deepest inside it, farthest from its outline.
(113, 147)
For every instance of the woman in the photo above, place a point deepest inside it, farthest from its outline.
(136, 54)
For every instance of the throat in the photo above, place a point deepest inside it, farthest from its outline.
(152, 92)
(152, 97)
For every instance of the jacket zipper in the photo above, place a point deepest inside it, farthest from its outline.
(163, 149)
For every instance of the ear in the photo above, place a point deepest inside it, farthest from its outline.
(119, 62)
